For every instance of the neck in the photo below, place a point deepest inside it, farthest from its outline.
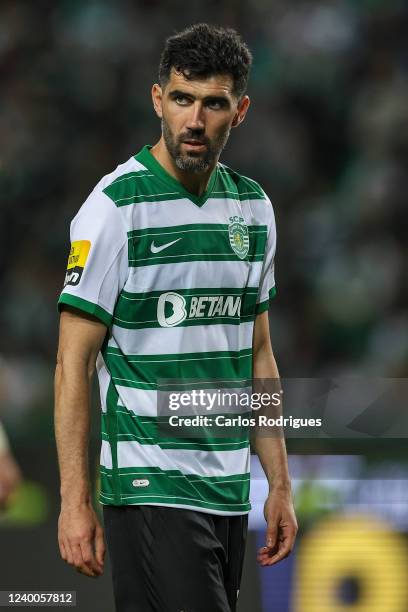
(194, 182)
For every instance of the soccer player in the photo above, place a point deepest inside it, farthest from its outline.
(169, 276)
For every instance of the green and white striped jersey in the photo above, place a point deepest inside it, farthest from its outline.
(178, 280)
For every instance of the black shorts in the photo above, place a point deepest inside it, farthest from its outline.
(174, 560)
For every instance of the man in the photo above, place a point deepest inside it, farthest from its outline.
(169, 276)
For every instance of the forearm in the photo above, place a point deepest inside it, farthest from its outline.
(270, 448)
(72, 424)
(273, 458)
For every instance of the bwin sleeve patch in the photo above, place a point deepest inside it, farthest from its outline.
(76, 261)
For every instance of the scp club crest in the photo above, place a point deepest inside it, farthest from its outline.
(238, 236)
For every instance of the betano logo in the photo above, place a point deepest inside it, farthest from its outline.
(199, 307)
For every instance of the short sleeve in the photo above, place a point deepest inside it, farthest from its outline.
(97, 266)
(267, 288)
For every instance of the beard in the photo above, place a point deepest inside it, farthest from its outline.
(194, 161)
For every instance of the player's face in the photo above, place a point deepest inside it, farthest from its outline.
(197, 117)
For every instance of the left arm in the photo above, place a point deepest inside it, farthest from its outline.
(278, 510)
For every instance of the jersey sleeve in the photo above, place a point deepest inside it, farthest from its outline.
(97, 266)
(267, 288)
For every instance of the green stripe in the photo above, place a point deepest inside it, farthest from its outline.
(176, 501)
(182, 385)
(262, 306)
(129, 176)
(192, 242)
(196, 291)
(150, 193)
(230, 492)
(156, 430)
(139, 310)
(232, 181)
(183, 443)
(129, 369)
(149, 190)
(186, 257)
(125, 186)
(185, 357)
(88, 307)
(172, 231)
(138, 472)
(111, 428)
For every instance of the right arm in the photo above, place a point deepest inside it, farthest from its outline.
(98, 267)
(80, 534)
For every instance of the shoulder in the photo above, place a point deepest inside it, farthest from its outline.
(100, 207)
(246, 187)
(122, 184)
(112, 189)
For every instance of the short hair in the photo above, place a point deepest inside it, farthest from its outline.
(203, 50)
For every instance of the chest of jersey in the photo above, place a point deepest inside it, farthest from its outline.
(191, 265)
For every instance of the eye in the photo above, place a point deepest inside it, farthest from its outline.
(215, 105)
(181, 100)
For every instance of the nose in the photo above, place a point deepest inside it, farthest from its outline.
(196, 118)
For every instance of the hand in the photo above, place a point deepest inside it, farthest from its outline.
(281, 528)
(10, 477)
(80, 538)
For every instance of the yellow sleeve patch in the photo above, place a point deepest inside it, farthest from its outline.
(76, 261)
(78, 254)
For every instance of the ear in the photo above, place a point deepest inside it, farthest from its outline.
(157, 99)
(242, 109)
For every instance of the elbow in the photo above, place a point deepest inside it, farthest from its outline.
(91, 367)
(80, 365)
(263, 352)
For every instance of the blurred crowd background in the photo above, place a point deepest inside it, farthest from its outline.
(326, 136)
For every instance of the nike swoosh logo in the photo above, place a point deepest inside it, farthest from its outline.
(157, 249)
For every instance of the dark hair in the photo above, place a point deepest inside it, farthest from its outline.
(204, 50)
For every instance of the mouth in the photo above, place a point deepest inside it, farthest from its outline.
(194, 145)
